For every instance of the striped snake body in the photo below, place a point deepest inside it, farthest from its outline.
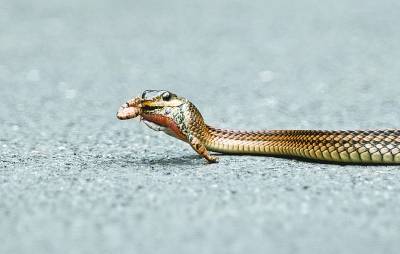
(178, 117)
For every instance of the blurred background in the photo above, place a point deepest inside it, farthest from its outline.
(74, 179)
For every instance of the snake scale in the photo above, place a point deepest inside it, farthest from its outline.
(178, 117)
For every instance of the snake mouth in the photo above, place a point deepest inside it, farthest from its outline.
(151, 108)
(151, 105)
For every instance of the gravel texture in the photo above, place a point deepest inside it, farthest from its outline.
(74, 179)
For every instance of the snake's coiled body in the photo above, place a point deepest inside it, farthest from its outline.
(178, 117)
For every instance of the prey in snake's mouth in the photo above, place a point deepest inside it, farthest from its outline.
(178, 117)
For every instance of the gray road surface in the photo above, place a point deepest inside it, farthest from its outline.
(73, 179)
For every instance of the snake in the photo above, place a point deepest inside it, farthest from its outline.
(165, 111)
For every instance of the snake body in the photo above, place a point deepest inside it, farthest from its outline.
(178, 117)
(381, 146)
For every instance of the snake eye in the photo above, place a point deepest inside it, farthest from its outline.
(166, 96)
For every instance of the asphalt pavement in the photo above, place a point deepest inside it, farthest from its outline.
(74, 179)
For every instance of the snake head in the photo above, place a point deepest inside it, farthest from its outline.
(176, 116)
(159, 102)
(161, 111)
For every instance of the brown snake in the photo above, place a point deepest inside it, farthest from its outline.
(178, 117)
